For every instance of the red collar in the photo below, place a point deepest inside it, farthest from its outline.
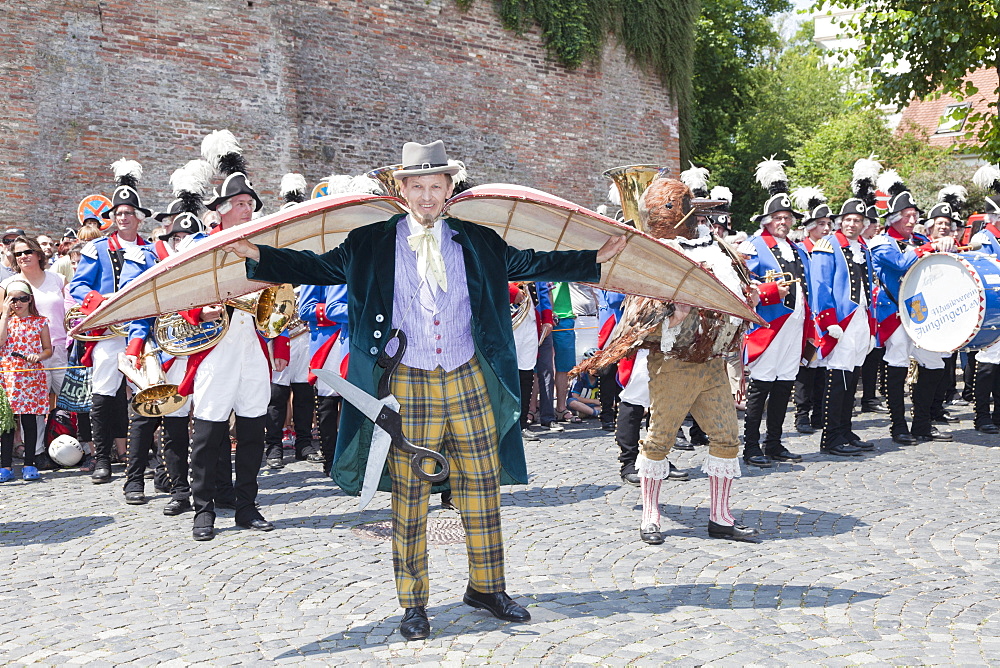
(161, 250)
(892, 232)
(768, 239)
(808, 243)
(115, 244)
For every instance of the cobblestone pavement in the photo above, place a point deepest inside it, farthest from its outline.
(887, 559)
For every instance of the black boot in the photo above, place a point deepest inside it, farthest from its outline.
(142, 431)
(249, 452)
(207, 440)
(328, 418)
(627, 437)
(924, 391)
(819, 397)
(986, 374)
(777, 406)
(805, 395)
(969, 377)
(303, 411)
(834, 439)
(609, 391)
(102, 423)
(277, 411)
(895, 388)
(175, 447)
(756, 398)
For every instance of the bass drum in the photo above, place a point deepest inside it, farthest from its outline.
(951, 301)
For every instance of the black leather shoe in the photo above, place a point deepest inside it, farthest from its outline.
(904, 438)
(498, 604)
(415, 625)
(988, 428)
(700, 439)
(933, 435)
(805, 428)
(736, 532)
(101, 474)
(683, 444)
(176, 507)
(945, 418)
(259, 524)
(783, 455)
(135, 498)
(630, 478)
(867, 446)
(873, 407)
(842, 450)
(651, 534)
(763, 461)
(203, 533)
(275, 463)
(315, 457)
(607, 426)
(676, 473)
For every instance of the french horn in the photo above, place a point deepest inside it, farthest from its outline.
(519, 311)
(156, 397)
(75, 314)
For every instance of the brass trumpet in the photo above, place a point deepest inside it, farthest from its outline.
(780, 277)
(75, 315)
(156, 397)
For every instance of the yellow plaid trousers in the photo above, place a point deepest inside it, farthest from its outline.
(448, 412)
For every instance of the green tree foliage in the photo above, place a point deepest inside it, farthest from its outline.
(919, 49)
(826, 158)
(657, 34)
(797, 93)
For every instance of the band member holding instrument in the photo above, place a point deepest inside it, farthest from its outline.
(842, 288)
(987, 361)
(97, 276)
(773, 354)
(811, 379)
(893, 253)
(444, 283)
(182, 228)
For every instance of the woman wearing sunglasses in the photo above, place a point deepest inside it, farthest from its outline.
(24, 343)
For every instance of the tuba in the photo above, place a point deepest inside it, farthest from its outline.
(632, 181)
(75, 314)
(389, 183)
(272, 308)
(156, 397)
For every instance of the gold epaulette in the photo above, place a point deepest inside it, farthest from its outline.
(822, 246)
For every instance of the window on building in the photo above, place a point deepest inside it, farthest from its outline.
(953, 118)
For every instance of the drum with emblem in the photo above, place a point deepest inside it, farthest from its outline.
(951, 301)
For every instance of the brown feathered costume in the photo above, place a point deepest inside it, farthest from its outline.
(666, 209)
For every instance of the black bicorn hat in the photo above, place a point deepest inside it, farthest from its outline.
(987, 177)
(900, 197)
(127, 176)
(223, 152)
(951, 199)
(190, 183)
(770, 175)
(720, 215)
(175, 207)
(813, 202)
(863, 179)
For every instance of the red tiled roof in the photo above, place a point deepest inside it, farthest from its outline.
(927, 113)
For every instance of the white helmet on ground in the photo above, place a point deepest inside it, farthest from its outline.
(65, 451)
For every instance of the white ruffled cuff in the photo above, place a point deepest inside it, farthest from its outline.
(668, 336)
(651, 468)
(721, 468)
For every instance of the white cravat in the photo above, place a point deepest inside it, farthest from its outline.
(430, 262)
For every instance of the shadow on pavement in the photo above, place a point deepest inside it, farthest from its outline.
(457, 619)
(50, 531)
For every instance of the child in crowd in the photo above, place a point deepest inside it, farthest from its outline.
(24, 344)
(582, 394)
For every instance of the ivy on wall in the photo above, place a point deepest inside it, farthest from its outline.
(657, 34)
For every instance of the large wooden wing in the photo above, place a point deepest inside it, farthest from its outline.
(528, 218)
(205, 274)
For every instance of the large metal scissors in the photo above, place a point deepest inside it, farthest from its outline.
(382, 410)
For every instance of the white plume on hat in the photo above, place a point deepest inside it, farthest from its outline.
(218, 144)
(987, 177)
(865, 168)
(954, 195)
(889, 181)
(695, 178)
(292, 184)
(770, 174)
(337, 184)
(723, 193)
(194, 177)
(459, 176)
(126, 169)
(808, 198)
(362, 183)
(614, 196)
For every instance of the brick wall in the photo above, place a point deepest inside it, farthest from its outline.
(317, 87)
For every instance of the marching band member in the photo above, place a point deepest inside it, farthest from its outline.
(987, 361)
(292, 381)
(531, 300)
(444, 283)
(97, 277)
(182, 229)
(773, 354)
(893, 253)
(811, 379)
(234, 376)
(842, 287)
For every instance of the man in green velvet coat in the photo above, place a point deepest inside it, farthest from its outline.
(443, 282)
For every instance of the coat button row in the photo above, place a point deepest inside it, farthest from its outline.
(379, 318)
(373, 350)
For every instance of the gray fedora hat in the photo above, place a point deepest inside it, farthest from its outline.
(423, 159)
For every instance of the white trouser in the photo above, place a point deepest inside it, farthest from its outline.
(234, 376)
(297, 370)
(333, 363)
(637, 390)
(900, 347)
(106, 378)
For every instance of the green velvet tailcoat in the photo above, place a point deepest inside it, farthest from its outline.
(366, 263)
